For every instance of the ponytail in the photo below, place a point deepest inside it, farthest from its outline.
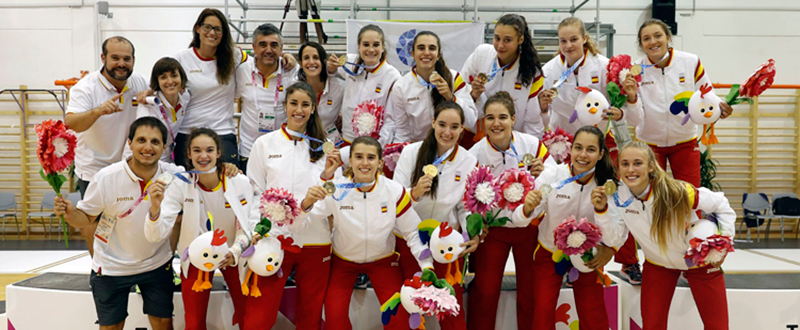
(529, 64)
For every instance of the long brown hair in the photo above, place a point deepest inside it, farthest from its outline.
(672, 207)
(427, 151)
(224, 53)
(439, 66)
(578, 23)
(314, 125)
(604, 169)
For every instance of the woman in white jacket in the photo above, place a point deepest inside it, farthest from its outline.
(210, 192)
(366, 209)
(328, 88)
(439, 197)
(657, 210)
(285, 159)
(572, 187)
(415, 95)
(502, 149)
(576, 48)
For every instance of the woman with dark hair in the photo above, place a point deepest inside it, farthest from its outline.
(591, 167)
(329, 88)
(439, 197)
(429, 83)
(511, 65)
(292, 158)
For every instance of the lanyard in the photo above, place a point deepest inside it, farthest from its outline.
(443, 157)
(361, 68)
(566, 73)
(572, 179)
(647, 66)
(277, 88)
(495, 69)
(630, 199)
(511, 144)
(349, 186)
(423, 82)
(304, 136)
(180, 176)
(157, 101)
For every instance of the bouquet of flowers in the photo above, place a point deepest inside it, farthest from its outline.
(391, 153)
(278, 206)
(514, 185)
(558, 143)
(618, 68)
(436, 301)
(55, 149)
(710, 250)
(575, 241)
(482, 194)
(368, 119)
(756, 84)
(422, 294)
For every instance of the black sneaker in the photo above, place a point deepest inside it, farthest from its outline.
(362, 282)
(632, 273)
(567, 282)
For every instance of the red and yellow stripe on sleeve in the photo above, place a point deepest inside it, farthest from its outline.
(403, 204)
(542, 152)
(536, 86)
(699, 72)
(458, 83)
(693, 194)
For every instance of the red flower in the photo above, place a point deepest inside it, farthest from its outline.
(759, 81)
(514, 186)
(55, 147)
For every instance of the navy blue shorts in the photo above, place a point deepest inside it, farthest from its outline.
(111, 294)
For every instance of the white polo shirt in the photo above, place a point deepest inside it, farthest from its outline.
(113, 191)
(102, 144)
(211, 104)
(262, 104)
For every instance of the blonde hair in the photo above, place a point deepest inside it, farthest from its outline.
(578, 23)
(672, 207)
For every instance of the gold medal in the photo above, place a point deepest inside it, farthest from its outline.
(483, 77)
(610, 187)
(343, 60)
(528, 159)
(430, 170)
(555, 93)
(435, 75)
(546, 190)
(165, 178)
(327, 147)
(330, 188)
(636, 69)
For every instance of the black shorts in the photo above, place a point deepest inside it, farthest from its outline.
(111, 294)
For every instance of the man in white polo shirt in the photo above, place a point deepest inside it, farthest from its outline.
(260, 85)
(100, 109)
(123, 256)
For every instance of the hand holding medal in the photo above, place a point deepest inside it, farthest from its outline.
(600, 196)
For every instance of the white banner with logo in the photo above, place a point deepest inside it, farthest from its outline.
(458, 40)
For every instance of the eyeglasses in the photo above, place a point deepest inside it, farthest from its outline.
(209, 27)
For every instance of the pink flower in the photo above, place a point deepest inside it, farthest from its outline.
(279, 206)
(435, 301)
(617, 64)
(514, 186)
(55, 147)
(759, 81)
(576, 237)
(559, 144)
(391, 153)
(368, 119)
(709, 250)
(482, 193)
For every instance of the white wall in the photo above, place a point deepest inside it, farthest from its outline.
(53, 39)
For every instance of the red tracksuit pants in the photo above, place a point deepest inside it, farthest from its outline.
(409, 267)
(626, 255)
(311, 270)
(490, 261)
(589, 295)
(195, 304)
(708, 289)
(384, 274)
(684, 160)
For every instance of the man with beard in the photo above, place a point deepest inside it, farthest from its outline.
(260, 84)
(101, 107)
(123, 256)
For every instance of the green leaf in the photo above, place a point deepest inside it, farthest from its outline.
(442, 283)
(263, 227)
(613, 88)
(44, 176)
(586, 256)
(474, 224)
(732, 94)
(428, 275)
(499, 222)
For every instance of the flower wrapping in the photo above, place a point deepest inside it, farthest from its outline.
(514, 186)
(391, 154)
(558, 143)
(756, 84)
(435, 301)
(710, 250)
(279, 206)
(55, 149)
(368, 119)
(617, 70)
(577, 237)
(482, 193)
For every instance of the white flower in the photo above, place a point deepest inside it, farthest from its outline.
(622, 75)
(714, 256)
(514, 192)
(365, 123)
(576, 239)
(275, 210)
(61, 146)
(558, 148)
(484, 193)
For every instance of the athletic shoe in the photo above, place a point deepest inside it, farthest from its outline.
(567, 282)
(632, 273)
(362, 282)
